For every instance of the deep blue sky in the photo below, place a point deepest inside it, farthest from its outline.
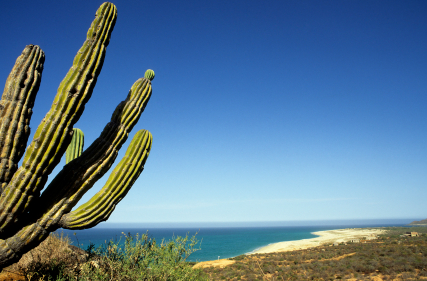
(261, 110)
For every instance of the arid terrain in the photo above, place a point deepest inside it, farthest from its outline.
(391, 256)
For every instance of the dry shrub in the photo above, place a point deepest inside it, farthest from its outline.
(53, 255)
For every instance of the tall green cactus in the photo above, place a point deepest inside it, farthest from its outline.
(75, 148)
(27, 216)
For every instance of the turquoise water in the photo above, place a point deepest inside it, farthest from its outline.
(223, 242)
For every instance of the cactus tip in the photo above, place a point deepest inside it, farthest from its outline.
(149, 74)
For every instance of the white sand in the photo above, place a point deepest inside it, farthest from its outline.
(328, 237)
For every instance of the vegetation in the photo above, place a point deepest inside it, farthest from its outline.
(391, 257)
(140, 258)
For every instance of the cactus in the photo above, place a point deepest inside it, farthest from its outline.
(75, 148)
(27, 216)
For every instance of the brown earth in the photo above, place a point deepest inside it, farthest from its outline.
(11, 276)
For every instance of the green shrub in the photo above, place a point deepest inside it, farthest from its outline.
(142, 258)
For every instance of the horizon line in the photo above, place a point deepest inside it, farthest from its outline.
(324, 222)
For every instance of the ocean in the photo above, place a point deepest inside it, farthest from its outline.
(221, 241)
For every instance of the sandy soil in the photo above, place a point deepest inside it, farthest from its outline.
(325, 237)
(215, 263)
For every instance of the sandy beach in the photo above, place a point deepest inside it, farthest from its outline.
(325, 237)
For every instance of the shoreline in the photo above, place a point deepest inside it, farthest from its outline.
(323, 237)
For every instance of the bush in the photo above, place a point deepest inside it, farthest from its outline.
(140, 258)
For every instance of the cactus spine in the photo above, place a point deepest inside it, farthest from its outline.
(26, 216)
(75, 148)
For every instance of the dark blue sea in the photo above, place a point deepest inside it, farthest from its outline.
(221, 241)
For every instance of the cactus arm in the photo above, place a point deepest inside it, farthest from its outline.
(97, 158)
(16, 109)
(53, 134)
(75, 148)
(102, 204)
(66, 189)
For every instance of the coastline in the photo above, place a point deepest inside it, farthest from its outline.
(224, 242)
(328, 237)
(324, 237)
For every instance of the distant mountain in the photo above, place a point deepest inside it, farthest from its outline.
(419, 222)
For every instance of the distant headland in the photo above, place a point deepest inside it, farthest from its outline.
(421, 222)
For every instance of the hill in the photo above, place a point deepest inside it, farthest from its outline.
(419, 222)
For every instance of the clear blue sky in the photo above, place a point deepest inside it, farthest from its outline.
(261, 110)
